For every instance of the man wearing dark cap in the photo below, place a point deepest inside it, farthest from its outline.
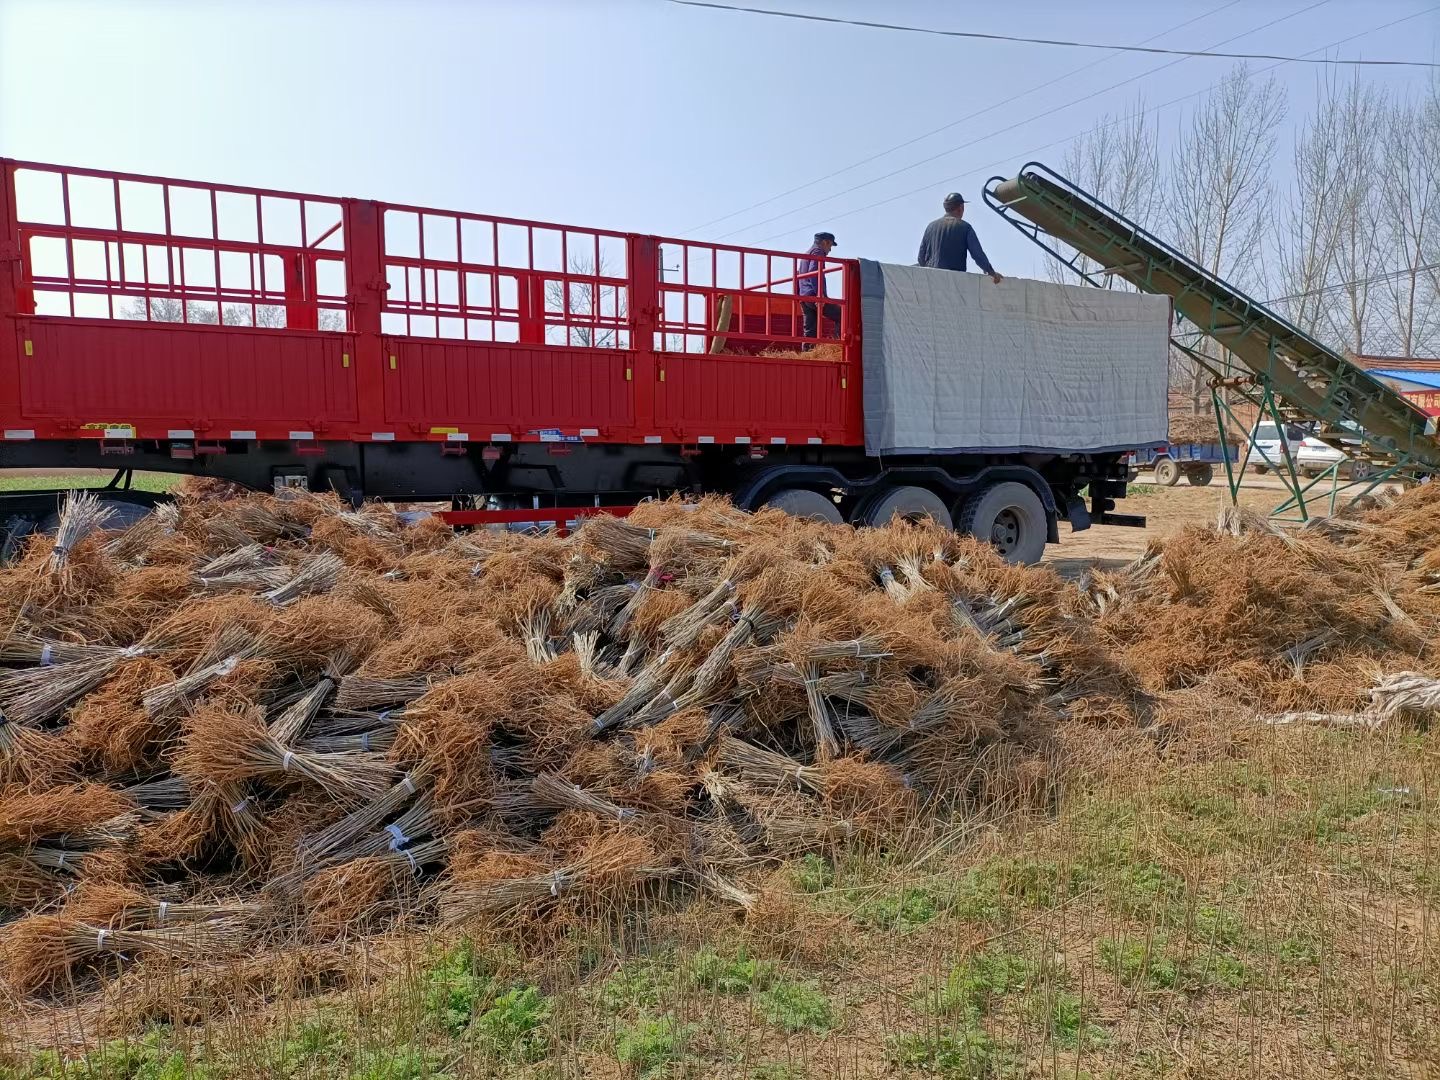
(949, 239)
(812, 283)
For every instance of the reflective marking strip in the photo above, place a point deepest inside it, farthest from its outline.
(458, 436)
(707, 438)
(242, 434)
(180, 433)
(589, 432)
(742, 438)
(500, 437)
(383, 436)
(652, 438)
(302, 434)
(125, 432)
(777, 441)
(814, 441)
(19, 433)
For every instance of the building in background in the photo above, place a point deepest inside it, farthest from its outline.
(1418, 378)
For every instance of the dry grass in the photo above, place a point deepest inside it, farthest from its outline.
(928, 812)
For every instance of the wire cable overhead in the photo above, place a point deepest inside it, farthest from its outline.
(835, 19)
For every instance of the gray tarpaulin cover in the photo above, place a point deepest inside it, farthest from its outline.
(955, 362)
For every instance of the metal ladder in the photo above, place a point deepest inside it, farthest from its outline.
(1287, 374)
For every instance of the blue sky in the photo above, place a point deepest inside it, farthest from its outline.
(637, 115)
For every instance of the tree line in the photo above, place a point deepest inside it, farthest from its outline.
(1346, 246)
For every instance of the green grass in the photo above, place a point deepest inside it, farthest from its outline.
(1269, 899)
(795, 1007)
(651, 1045)
(971, 988)
(140, 481)
(739, 974)
(966, 1054)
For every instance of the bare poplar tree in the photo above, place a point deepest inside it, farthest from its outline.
(1119, 161)
(605, 303)
(1410, 198)
(1220, 195)
(1358, 257)
(1308, 228)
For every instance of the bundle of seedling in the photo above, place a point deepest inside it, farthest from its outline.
(262, 721)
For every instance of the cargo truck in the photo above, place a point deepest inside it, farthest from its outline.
(525, 372)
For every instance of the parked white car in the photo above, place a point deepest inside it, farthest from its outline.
(1312, 457)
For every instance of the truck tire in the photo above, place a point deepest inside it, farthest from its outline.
(910, 503)
(1200, 475)
(123, 514)
(1010, 516)
(1167, 473)
(803, 503)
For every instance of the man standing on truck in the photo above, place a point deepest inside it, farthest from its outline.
(949, 239)
(812, 283)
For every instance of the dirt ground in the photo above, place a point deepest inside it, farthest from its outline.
(1166, 511)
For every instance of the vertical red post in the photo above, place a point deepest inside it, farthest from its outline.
(11, 307)
(532, 310)
(365, 291)
(643, 263)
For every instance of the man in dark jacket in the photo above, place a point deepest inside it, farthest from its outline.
(949, 239)
(812, 283)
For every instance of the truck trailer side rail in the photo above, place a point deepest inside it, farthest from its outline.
(202, 318)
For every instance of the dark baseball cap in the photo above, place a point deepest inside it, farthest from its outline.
(954, 199)
(825, 236)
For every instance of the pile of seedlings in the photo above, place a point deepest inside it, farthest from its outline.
(246, 727)
(262, 720)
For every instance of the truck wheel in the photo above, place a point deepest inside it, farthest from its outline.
(1200, 475)
(123, 514)
(802, 503)
(1011, 517)
(1167, 473)
(910, 503)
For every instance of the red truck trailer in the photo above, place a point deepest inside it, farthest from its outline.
(520, 371)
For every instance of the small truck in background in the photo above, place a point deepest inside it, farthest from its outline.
(1195, 461)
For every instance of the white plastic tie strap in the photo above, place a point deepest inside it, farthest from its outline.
(100, 940)
(226, 666)
(240, 807)
(365, 740)
(554, 884)
(130, 652)
(285, 761)
(398, 839)
(47, 655)
(409, 784)
(164, 909)
(60, 862)
(383, 716)
(410, 858)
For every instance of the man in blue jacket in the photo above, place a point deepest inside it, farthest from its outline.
(949, 239)
(812, 283)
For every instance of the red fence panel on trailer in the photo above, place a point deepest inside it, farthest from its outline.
(164, 305)
(502, 327)
(737, 366)
(158, 306)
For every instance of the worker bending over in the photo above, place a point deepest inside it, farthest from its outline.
(812, 283)
(949, 239)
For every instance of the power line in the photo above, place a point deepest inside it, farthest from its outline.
(1065, 139)
(1389, 276)
(945, 127)
(1042, 41)
(1011, 127)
